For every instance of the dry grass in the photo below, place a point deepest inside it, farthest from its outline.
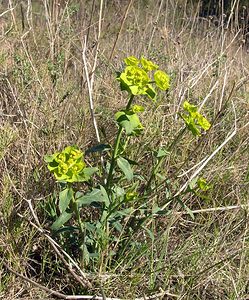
(44, 106)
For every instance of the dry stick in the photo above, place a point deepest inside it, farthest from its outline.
(90, 88)
(210, 157)
(154, 28)
(208, 95)
(90, 81)
(192, 168)
(225, 29)
(52, 292)
(195, 80)
(90, 91)
(90, 21)
(31, 62)
(121, 28)
(157, 296)
(5, 12)
(12, 13)
(29, 18)
(214, 209)
(83, 279)
(206, 162)
(81, 297)
(97, 45)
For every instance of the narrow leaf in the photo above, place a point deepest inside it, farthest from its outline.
(98, 148)
(65, 197)
(95, 196)
(162, 152)
(125, 167)
(188, 210)
(88, 172)
(63, 218)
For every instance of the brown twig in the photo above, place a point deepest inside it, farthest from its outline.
(81, 297)
(213, 209)
(121, 27)
(81, 279)
(52, 292)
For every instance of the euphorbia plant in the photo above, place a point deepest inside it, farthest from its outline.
(140, 77)
(194, 120)
(68, 167)
(120, 194)
(137, 79)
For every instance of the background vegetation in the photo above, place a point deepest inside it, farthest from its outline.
(44, 107)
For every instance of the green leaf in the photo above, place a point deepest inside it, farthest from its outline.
(129, 121)
(63, 218)
(98, 148)
(192, 183)
(155, 209)
(48, 158)
(151, 92)
(150, 233)
(162, 152)
(105, 196)
(124, 212)
(131, 196)
(88, 172)
(95, 196)
(65, 197)
(194, 119)
(188, 210)
(162, 80)
(190, 124)
(160, 176)
(86, 254)
(193, 128)
(125, 167)
(67, 165)
(118, 226)
(247, 175)
(119, 192)
(67, 229)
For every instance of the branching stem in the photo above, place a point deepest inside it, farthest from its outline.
(116, 148)
(81, 227)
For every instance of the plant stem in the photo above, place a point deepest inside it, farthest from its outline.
(160, 160)
(81, 228)
(116, 148)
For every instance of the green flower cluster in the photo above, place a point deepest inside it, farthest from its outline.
(68, 165)
(136, 80)
(194, 120)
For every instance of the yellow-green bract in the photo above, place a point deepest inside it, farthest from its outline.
(69, 166)
(136, 79)
(194, 120)
(162, 80)
(148, 65)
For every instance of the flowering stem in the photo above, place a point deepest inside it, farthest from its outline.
(116, 147)
(81, 227)
(161, 159)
